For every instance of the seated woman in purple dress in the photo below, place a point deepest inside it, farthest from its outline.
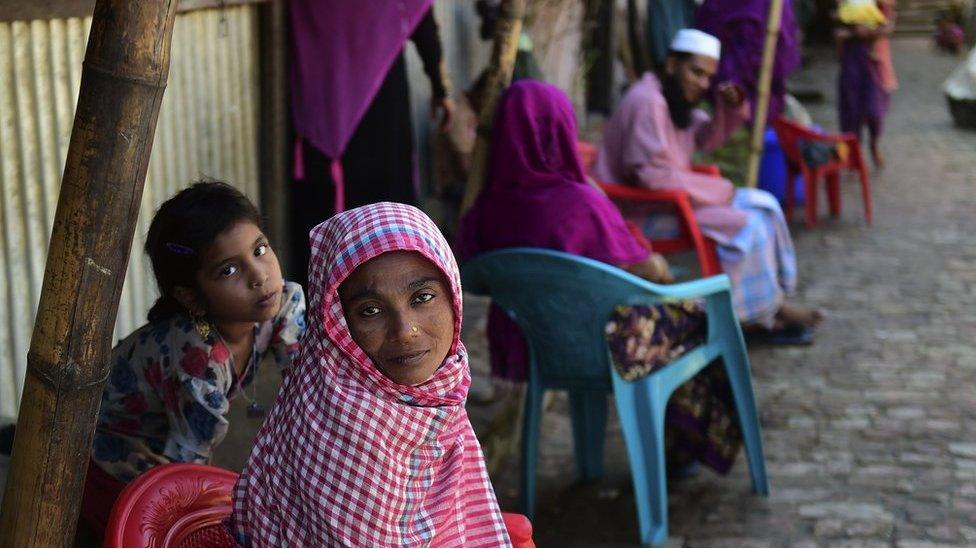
(536, 195)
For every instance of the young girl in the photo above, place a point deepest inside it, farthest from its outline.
(867, 78)
(368, 443)
(861, 12)
(223, 307)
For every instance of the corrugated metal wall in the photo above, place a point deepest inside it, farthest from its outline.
(207, 128)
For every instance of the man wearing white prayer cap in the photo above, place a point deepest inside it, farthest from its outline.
(697, 42)
(649, 142)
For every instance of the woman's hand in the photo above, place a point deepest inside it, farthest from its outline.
(654, 268)
(443, 107)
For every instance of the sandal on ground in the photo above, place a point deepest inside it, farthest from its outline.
(684, 471)
(791, 334)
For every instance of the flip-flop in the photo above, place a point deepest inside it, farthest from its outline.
(792, 334)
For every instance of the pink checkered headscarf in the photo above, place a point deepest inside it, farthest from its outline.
(348, 457)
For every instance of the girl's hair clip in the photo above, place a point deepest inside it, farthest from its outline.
(179, 248)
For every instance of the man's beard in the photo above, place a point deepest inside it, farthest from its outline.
(679, 107)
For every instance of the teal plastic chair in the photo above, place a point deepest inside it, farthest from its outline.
(562, 303)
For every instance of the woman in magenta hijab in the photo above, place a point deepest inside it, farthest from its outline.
(537, 195)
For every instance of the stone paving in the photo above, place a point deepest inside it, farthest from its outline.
(869, 433)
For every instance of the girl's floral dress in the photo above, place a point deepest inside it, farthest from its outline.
(170, 389)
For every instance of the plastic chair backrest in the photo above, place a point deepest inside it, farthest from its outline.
(789, 134)
(637, 205)
(185, 504)
(173, 505)
(561, 302)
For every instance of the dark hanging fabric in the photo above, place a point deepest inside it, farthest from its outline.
(664, 19)
(379, 163)
(599, 74)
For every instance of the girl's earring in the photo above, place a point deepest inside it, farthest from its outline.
(201, 324)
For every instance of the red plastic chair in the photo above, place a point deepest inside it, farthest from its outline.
(789, 134)
(173, 505)
(690, 238)
(185, 504)
(519, 529)
(673, 201)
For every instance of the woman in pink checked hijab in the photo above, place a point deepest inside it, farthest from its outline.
(368, 443)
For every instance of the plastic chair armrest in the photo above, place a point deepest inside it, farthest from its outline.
(702, 287)
(707, 169)
(694, 289)
(625, 192)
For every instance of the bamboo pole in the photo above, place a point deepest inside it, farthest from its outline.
(124, 75)
(499, 75)
(762, 101)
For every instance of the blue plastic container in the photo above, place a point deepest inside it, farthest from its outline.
(772, 171)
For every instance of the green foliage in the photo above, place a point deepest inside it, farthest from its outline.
(732, 157)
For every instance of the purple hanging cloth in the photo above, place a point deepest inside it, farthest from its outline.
(741, 27)
(342, 51)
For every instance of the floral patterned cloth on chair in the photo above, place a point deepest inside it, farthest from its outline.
(701, 418)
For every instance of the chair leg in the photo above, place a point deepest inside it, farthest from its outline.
(641, 407)
(736, 363)
(588, 410)
(833, 193)
(530, 447)
(790, 193)
(810, 189)
(862, 174)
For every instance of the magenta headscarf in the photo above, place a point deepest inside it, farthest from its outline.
(342, 51)
(536, 195)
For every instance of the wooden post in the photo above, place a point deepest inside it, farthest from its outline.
(599, 36)
(499, 75)
(124, 75)
(762, 99)
(274, 127)
(635, 40)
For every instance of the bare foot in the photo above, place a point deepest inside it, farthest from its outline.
(877, 156)
(790, 313)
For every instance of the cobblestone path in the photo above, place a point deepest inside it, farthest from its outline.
(869, 433)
